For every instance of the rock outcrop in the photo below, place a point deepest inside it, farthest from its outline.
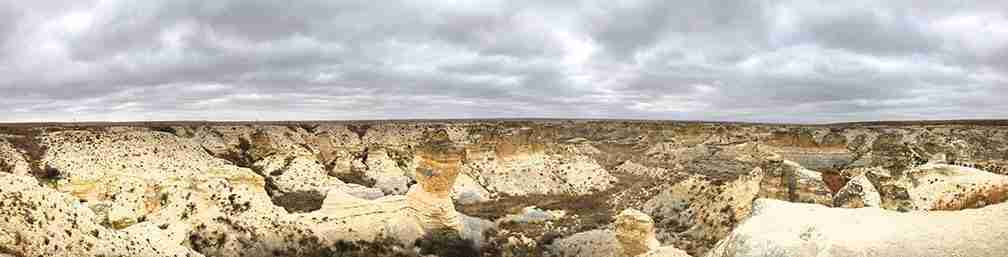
(779, 228)
(699, 210)
(429, 201)
(941, 187)
(859, 192)
(635, 232)
(39, 221)
(788, 180)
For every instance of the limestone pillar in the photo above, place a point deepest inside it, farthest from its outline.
(429, 200)
(635, 232)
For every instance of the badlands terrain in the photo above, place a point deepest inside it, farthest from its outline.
(504, 188)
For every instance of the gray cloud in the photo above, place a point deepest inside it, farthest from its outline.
(795, 61)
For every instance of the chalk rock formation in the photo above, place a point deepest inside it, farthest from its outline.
(859, 192)
(636, 232)
(128, 173)
(700, 210)
(388, 174)
(779, 228)
(347, 217)
(430, 201)
(940, 187)
(948, 187)
(788, 180)
(39, 221)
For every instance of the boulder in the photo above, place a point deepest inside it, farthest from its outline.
(779, 228)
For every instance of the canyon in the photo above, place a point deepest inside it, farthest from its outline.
(504, 188)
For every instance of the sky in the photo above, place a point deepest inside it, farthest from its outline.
(801, 61)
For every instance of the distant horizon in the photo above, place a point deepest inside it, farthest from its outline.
(281, 122)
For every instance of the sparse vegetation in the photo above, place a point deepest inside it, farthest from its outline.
(446, 243)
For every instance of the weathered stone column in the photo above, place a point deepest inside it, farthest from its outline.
(636, 232)
(429, 201)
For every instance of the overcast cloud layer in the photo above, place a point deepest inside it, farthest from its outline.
(775, 61)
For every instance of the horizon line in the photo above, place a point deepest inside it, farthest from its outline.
(455, 120)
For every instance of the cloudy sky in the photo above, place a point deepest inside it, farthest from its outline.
(775, 61)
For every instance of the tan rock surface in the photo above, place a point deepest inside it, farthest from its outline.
(635, 232)
(430, 200)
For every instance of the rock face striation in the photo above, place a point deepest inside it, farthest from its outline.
(508, 187)
(429, 201)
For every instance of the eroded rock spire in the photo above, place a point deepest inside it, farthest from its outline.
(429, 200)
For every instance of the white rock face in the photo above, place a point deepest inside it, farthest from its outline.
(42, 222)
(128, 172)
(779, 228)
(949, 187)
(467, 190)
(859, 192)
(387, 174)
(346, 217)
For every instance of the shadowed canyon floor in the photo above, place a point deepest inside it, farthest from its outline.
(504, 188)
